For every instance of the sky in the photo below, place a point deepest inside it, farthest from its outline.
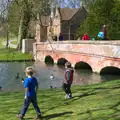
(3, 6)
(70, 3)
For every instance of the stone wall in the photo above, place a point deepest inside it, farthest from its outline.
(98, 54)
(41, 33)
(27, 45)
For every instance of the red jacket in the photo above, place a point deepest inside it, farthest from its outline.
(69, 75)
(85, 37)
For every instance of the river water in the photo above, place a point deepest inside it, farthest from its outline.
(10, 82)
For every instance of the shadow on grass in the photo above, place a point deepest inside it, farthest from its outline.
(48, 117)
(55, 115)
(100, 88)
(28, 118)
(114, 116)
(94, 91)
(86, 94)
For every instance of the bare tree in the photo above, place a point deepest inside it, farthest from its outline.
(4, 7)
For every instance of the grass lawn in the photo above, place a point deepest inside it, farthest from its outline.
(12, 54)
(91, 102)
(14, 42)
(1, 42)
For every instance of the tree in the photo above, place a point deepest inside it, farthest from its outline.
(27, 10)
(24, 21)
(102, 12)
(115, 21)
(4, 6)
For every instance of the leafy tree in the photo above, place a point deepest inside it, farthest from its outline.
(14, 18)
(115, 21)
(102, 12)
(24, 21)
(4, 6)
(22, 12)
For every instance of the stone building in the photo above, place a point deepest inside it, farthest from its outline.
(66, 21)
(41, 28)
(61, 20)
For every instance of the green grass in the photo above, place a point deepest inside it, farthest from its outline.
(90, 102)
(1, 42)
(13, 54)
(14, 42)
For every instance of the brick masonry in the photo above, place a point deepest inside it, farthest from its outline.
(98, 54)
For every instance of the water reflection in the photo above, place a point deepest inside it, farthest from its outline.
(9, 82)
(109, 77)
(86, 77)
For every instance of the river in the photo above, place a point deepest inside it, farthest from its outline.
(10, 82)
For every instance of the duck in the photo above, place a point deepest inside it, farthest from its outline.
(17, 76)
(52, 77)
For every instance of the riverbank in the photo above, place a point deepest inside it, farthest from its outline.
(90, 102)
(7, 55)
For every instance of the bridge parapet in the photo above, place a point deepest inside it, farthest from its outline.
(97, 54)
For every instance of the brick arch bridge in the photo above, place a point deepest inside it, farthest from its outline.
(97, 54)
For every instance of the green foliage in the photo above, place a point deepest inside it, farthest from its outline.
(14, 42)
(41, 6)
(21, 13)
(13, 55)
(102, 12)
(14, 18)
(115, 21)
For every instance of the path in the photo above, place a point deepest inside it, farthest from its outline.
(10, 44)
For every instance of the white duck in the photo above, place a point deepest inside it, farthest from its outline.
(52, 77)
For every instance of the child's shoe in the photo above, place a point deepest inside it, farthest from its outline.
(20, 116)
(69, 96)
(38, 117)
(66, 96)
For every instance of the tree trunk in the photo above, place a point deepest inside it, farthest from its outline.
(24, 25)
(7, 40)
(19, 44)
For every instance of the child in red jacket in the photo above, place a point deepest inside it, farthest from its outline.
(68, 80)
(85, 37)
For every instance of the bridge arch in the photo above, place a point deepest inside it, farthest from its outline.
(110, 70)
(82, 65)
(49, 60)
(61, 61)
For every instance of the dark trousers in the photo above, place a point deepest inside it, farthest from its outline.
(27, 103)
(66, 88)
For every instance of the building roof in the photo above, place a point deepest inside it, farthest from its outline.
(67, 13)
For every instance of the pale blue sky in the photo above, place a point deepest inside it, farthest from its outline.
(70, 3)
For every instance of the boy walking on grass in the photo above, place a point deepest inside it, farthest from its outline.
(31, 87)
(68, 80)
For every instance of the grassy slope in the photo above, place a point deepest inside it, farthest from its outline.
(93, 102)
(12, 54)
(2, 39)
(14, 42)
(1, 42)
